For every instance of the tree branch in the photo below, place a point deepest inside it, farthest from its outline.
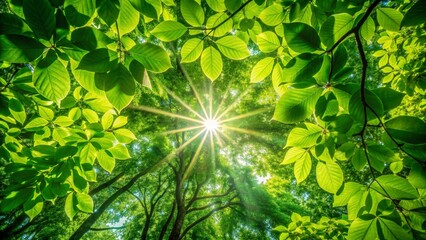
(106, 228)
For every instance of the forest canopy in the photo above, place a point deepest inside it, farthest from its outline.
(212, 119)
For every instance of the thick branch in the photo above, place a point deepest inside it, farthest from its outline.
(193, 224)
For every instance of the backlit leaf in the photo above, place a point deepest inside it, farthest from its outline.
(233, 47)
(296, 104)
(169, 31)
(211, 63)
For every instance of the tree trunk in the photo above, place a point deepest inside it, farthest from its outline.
(146, 227)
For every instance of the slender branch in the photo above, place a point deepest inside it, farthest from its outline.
(357, 27)
(9, 81)
(216, 195)
(205, 217)
(106, 184)
(362, 132)
(399, 145)
(224, 21)
(106, 228)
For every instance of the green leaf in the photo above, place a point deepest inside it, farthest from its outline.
(46, 113)
(88, 154)
(342, 198)
(216, 5)
(368, 29)
(106, 161)
(192, 12)
(302, 168)
(232, 5)
(152, 57)
(78, 13)
(407, 129)
(89, 38)
(40, 16)
(294, 154)
(19, 49)
(302, 67)
(356, 107)
(396, 187)
(120, 152)
(296, 104)
(262, 69)
(51, 78)
(304, 137)
(272, 15)
(90, 115)
(108, 10)
(84, 202)
(415, 15)
(268, 42)
(335, 27)
(390, 98)
(107, 120)
(71, 205)
(301, 37)
(99, 60)
(120, 87)
(169, 31)
(211, 63)
(36, 124)
(363, 228)
(392, 230)
(191, 50)
(33, 207)
(148, 8)
(379, 155)
(359, 159)
(17, 110)
(12, 24)
(233, 47)
(389, 18)
(124, 135)
(128, 18)
(63, 121)
(217, 30)
(119, 122)
(345, 151)
(15, 199)
(417, 176)
(329, 176)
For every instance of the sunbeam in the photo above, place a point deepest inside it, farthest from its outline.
(158, 111)
(178, 150)
(195, 157)
(182, 130)
(245, 115)
(232, 106)
(243, 130)
(183, 103)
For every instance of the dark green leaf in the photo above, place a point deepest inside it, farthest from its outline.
(108, 10)
(396, 187)
(78, 12)
(120, 87)
(301, 37)
(415, 15)
(19, 49)
(302, 68)
(12, 24)
(99, 60)
(407, 129)
(357, 108)
(40, 16)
